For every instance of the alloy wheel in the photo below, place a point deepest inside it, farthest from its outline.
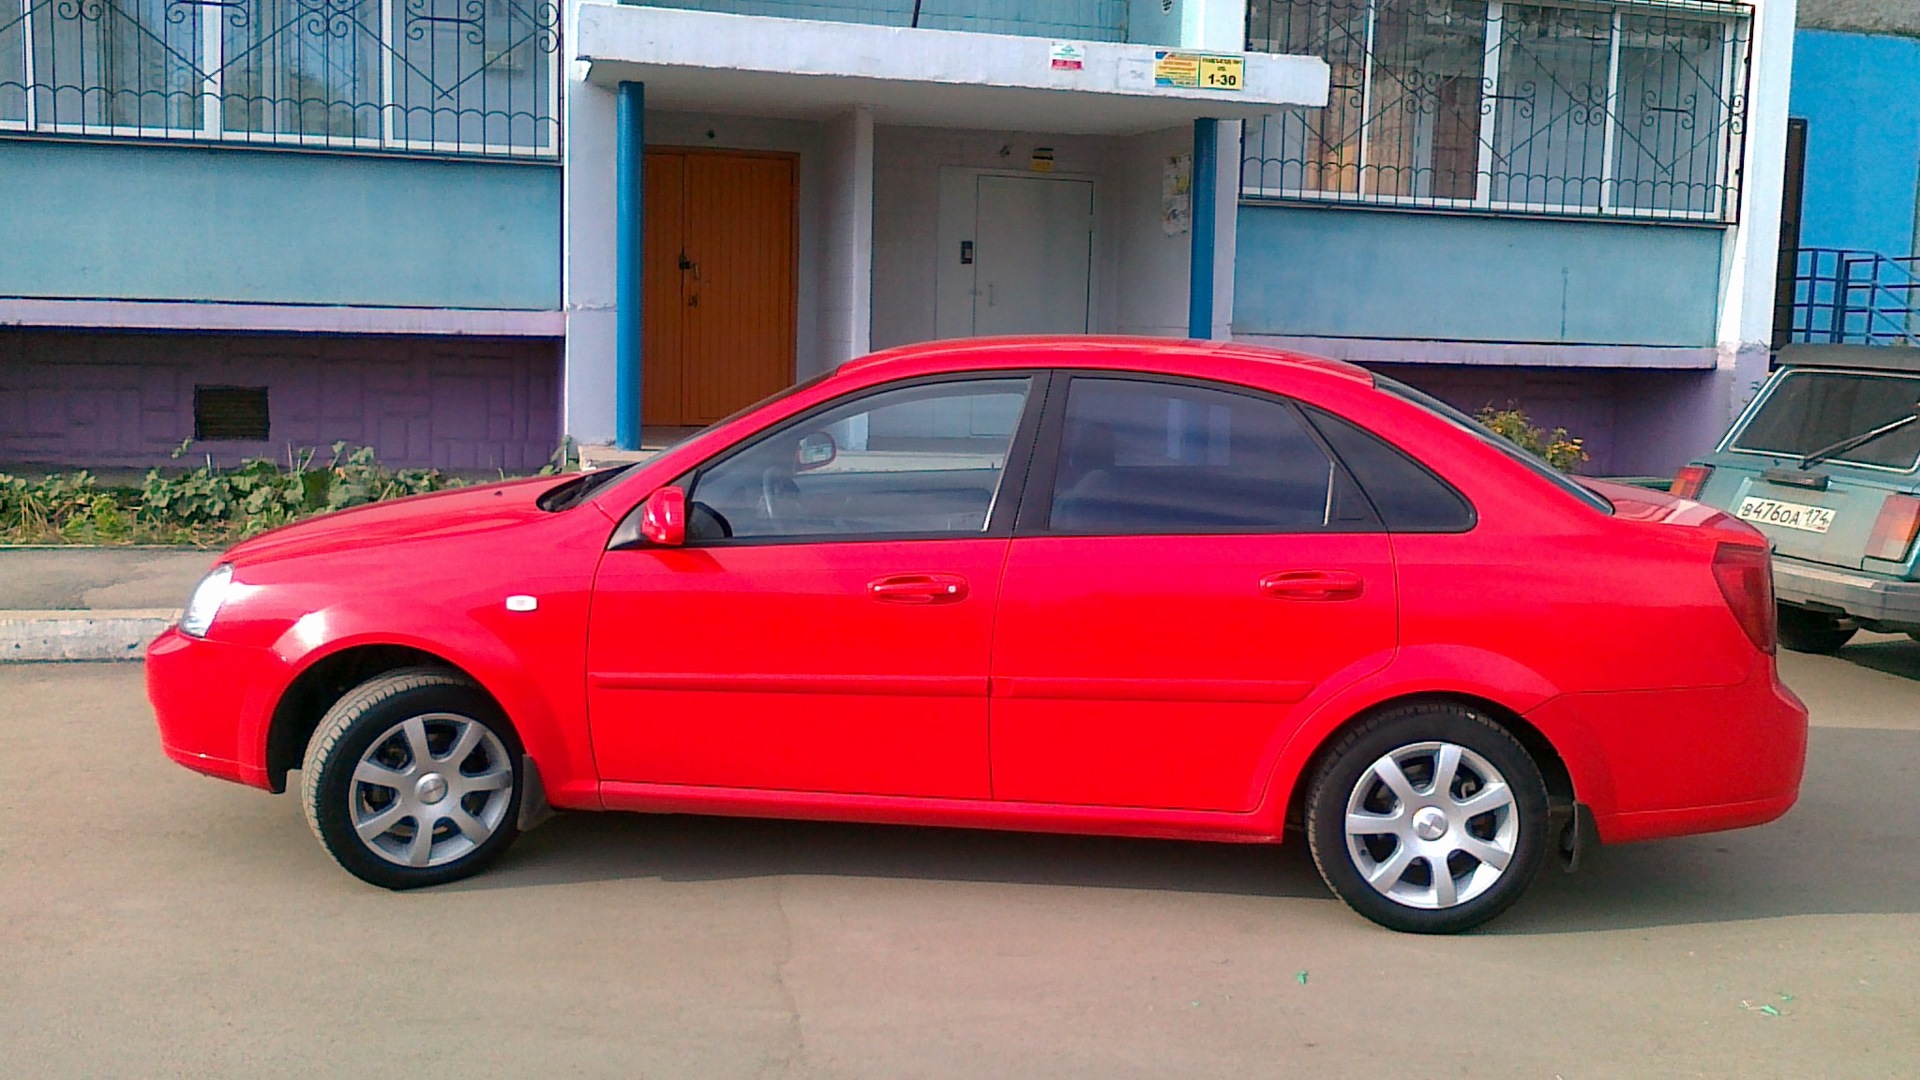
(430, 789)
(1431, 825)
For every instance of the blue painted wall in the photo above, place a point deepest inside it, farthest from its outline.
(1860, 95)
(1084, 20)
(181, 223)
(1360, 273)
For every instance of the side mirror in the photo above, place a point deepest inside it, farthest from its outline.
(663, 517)
(814, 450)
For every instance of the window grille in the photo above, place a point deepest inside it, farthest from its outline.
(418, 76)
(1623, 108)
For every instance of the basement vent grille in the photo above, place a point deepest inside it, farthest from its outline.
(230, 412)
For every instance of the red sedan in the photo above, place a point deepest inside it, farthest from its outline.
(1131, 587)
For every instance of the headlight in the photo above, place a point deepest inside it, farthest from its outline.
(205, 602)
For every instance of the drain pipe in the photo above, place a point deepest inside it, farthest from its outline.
(1200, 215)
(630, 170)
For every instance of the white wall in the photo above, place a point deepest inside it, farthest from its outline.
(906, 214)
(1150, 265)
(1751, 258)
(1140, 280)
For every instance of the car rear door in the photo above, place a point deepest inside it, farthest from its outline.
(1190, 565)
(826, 627)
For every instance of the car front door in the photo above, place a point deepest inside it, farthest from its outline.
(1195, 567)
(826, 627)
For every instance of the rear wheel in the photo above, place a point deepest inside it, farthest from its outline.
(1429, 819)
(413, 778)
(1813, 631)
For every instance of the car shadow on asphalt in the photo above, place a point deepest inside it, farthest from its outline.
(1894, 656)
(1842, 850)
(595, 847)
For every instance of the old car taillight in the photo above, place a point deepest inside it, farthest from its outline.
(1894, 529)
(1745, 575)
(1689, 480)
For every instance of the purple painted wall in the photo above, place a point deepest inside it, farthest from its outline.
(1624, 415)
(108, 399)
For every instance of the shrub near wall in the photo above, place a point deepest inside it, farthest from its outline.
(205, 505)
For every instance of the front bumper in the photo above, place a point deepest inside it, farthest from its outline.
(213, 701)
(1859, 594)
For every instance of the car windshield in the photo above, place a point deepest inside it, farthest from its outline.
(1480, 431)
(1809, 410)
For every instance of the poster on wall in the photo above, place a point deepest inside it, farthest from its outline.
(1176, 193)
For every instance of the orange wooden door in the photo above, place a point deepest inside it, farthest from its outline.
(720, 283)
(663, 295)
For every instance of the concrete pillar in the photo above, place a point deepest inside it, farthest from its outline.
(846, 257)
(588, 254)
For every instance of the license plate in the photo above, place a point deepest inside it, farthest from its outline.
(1790, 515)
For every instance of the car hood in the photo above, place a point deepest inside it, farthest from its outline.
(462, 511)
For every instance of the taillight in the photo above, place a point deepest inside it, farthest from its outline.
(1689, 480)
(1745, 575)
(1894, 529)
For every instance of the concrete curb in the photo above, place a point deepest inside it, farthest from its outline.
(80, 634)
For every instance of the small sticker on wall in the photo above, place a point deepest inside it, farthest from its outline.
(1067, 56)
(1042, 159)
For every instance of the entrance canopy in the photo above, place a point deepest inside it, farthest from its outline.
(810, 69)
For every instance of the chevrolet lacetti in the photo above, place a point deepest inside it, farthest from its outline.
(1127, 587)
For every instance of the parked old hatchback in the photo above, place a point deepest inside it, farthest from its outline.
(1113, 586)
(1823, 462)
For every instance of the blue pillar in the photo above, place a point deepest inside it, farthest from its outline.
(630, 171)
(1206, 177)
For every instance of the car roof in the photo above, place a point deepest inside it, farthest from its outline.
(1147, 354)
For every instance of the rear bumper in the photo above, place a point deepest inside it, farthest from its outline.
(1859, 594)
(1654, 763)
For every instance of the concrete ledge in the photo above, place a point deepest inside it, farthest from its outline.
(80, 634)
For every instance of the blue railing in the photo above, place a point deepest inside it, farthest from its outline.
(1846, 297)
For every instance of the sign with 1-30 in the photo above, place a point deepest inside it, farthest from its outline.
(1199, 70)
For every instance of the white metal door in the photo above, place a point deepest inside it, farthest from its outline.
(1033, 255)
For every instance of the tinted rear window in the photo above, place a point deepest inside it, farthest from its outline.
(1809, 410)
(1408, 496)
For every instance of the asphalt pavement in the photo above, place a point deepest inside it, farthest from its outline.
(155, 923)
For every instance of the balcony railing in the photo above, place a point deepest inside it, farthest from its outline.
(1843, 297)
(1079, 20)
(464, 77)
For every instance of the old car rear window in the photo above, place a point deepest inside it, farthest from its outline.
(1809, 410)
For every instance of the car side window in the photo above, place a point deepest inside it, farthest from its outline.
(923, 460)
(1151, 457)
(1408, 496)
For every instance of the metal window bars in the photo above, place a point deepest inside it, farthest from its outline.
(1607, 108)
(1847, 297)
(454, 77)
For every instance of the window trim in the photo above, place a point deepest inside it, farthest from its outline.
(1006, 500)
(1037, 507)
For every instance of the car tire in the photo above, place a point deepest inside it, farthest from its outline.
(1812, 631)
(1487, 825)
(465, 794)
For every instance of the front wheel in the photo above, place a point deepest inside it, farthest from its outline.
(1812, 631)
(1429, 819)
(412, 779)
